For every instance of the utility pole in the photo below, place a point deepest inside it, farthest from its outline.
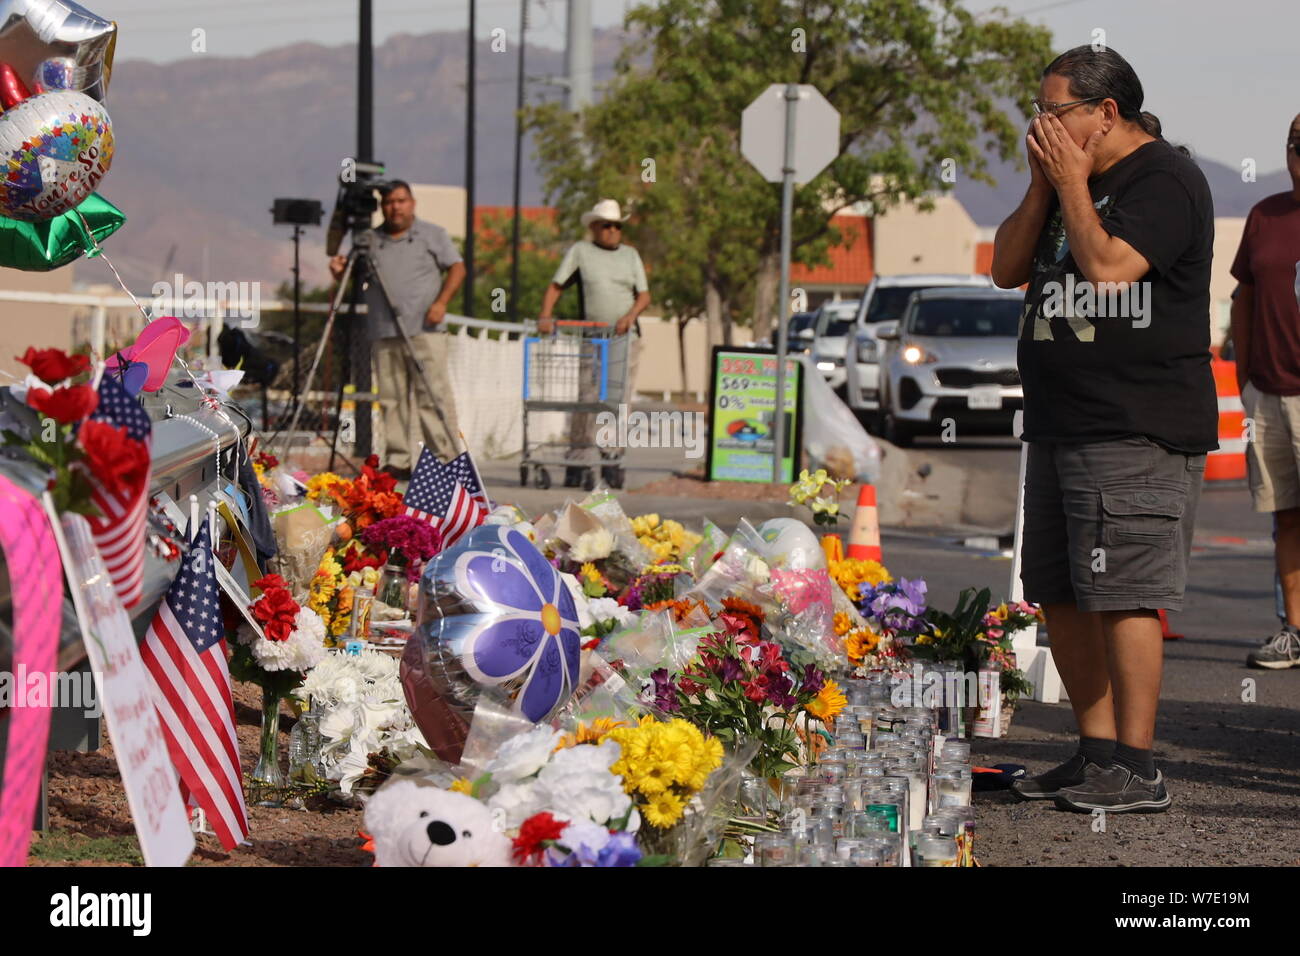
(468, 307)
(356, 347)
(519, 152)
(577, 53)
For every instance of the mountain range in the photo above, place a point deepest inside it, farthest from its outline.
(204, 145)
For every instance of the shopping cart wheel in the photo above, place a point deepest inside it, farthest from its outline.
(588, 479)
(541, 478)
(523, 476)
(612, 475)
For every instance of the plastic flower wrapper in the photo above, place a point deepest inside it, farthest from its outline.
(696, 837)
(741, 571)
(302, 534)
(652, 642)
(700, 558)
(513, 517)
(603, 504)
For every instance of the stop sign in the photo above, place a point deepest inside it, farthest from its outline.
(816, 133)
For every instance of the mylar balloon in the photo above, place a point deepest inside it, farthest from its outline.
(56, 148)
(12, 90)
(791, 544)
(56, 73)
(42, 246)
(495, 619)
(32, 31)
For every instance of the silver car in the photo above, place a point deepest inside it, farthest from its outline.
(884, 301)
(951, 358)
(834, 331)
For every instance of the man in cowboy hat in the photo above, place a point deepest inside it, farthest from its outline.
(612, 290)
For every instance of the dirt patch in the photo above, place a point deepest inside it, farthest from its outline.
(90, 822)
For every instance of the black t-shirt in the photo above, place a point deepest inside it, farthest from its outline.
(1135, 363)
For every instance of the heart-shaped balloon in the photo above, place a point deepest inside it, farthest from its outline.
(55, 149)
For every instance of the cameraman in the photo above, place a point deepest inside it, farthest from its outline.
(421, 271)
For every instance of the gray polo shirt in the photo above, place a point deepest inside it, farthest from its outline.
(412, 268)
(608, 280)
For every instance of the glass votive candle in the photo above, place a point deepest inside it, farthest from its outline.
(953, 749)
(851, 740)
(867, 856)
(949, 789)
(932, 850)
(813, 854)
(882, 800)
(773, 849)
(832, 771)
(889, 846)
(726, 861)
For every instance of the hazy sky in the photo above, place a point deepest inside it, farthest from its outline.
(1220, 74)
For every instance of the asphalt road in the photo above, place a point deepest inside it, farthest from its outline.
(1228, 738)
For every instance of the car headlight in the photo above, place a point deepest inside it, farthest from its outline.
(867, 351)
(825, 366)
(915, 355)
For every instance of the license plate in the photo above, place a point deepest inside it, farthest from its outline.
(984, 397)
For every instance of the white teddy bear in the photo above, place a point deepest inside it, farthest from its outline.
(416, 823)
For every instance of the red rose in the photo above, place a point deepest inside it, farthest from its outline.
(65, 405)
(537, 829)
(53, 365)
(276, 611)
(118, 462)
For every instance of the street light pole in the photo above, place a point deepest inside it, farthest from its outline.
(783, 294)
(468, 306)
(519, 152)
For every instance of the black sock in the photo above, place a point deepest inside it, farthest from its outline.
(1097, 750)
(1138, 761)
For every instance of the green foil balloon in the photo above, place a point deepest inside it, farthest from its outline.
(42, 246)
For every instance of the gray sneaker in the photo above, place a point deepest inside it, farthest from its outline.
(1046, 785)
(1279, 652)
(1116, 790)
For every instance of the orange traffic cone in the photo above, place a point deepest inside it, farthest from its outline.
(1167, 634)
(864, 535)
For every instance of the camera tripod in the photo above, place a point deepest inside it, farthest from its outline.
(359, 253)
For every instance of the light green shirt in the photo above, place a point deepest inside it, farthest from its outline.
(608, 280)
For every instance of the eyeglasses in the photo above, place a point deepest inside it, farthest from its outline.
(1045, 108)
(610, 225)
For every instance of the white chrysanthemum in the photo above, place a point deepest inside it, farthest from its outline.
(516, 802)
(577, 783)
(580, 600)
(594, 545)
(606, 609)
(523, 755)
(304, 649)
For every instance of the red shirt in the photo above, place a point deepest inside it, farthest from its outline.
(1267, 259)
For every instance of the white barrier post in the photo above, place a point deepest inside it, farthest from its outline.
(1035, 661)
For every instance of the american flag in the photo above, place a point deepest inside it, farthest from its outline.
(449, 496)
(120, 533)
(184, 651)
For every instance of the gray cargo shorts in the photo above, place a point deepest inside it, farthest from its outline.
(1108, 525)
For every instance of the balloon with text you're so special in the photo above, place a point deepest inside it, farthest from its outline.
(55, 149)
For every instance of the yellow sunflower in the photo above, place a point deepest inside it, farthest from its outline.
(828, 702)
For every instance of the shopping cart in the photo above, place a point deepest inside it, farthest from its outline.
(572, 371)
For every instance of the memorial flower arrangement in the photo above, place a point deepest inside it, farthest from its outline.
(290, 643)
(819, 492)
(365, 724)
(404, 541)
(333, 587)
(665, 539)
(370, 497)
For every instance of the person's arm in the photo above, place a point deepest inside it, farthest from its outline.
(1100, 256)
(639, 305)
(1017, 237)
(451, 284)
(1242, 313)
(545, 324)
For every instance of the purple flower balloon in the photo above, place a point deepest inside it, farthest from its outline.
(531, 638)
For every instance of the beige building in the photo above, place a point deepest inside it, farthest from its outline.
(37, 324)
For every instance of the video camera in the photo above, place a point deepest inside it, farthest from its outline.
(356, 203)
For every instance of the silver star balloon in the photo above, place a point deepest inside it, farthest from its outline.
(33, 31)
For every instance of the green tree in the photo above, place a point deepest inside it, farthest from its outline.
(922, 86)
(541, 246)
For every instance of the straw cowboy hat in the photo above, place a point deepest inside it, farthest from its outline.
(607, 210)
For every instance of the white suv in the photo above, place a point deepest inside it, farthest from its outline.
(884, 301)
